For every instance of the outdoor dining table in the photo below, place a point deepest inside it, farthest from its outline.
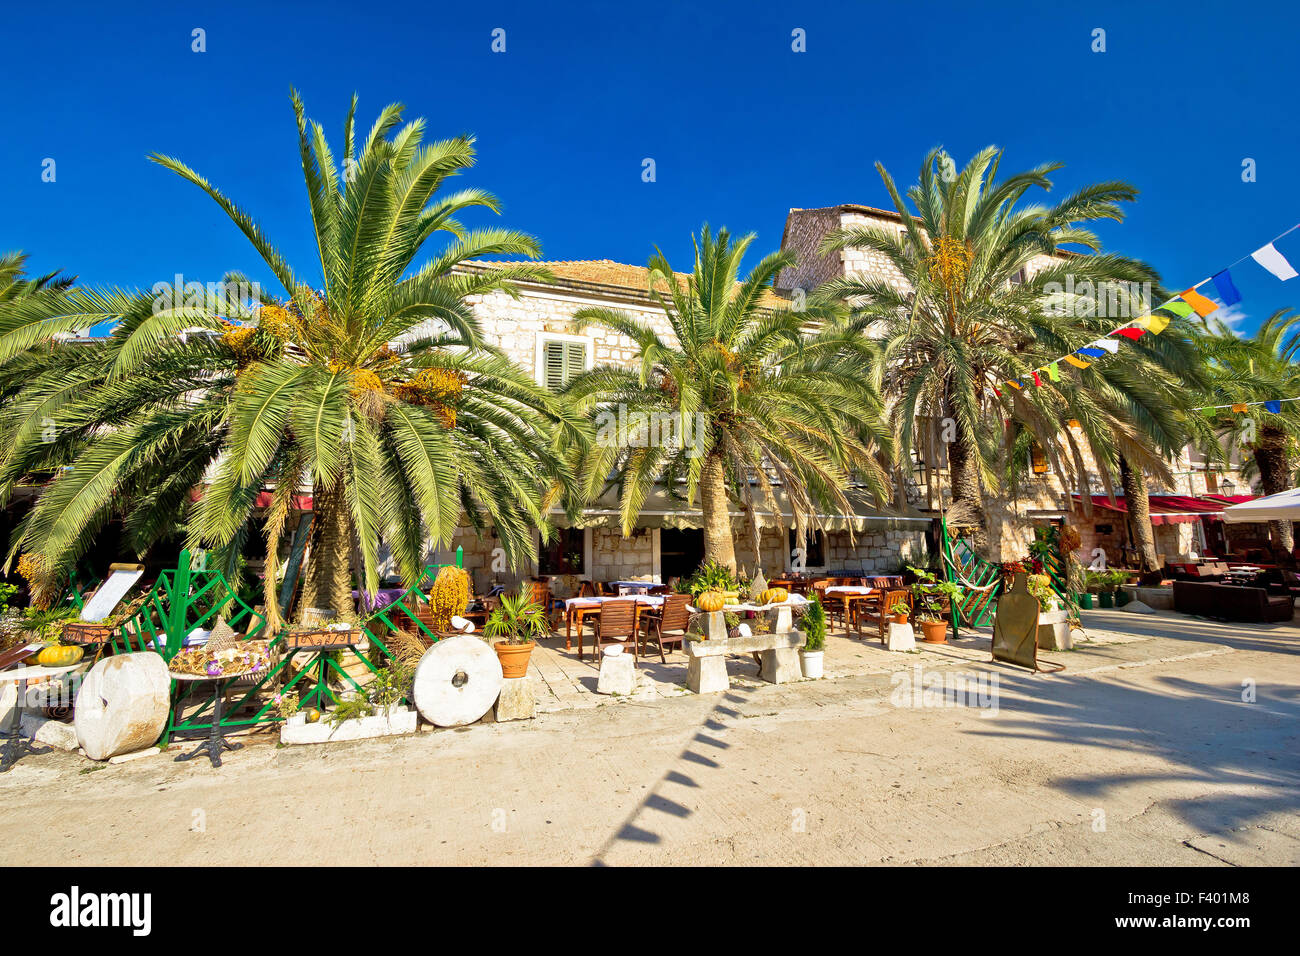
(16, 745)
(634, 587)
(851, 594)
(215, 743)
(578, 608)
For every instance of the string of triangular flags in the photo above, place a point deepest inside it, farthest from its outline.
(1158, 319)
(1273, 405)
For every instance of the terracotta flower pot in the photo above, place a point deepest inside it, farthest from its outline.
(900, 618)
(934, 632)
(513, 657)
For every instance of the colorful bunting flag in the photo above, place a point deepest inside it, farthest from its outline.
(1177, 306)
(1200, 303)
(1181, 306)
(1240, 407)
(1274, 262)
(1156, 324)
(1227, 291)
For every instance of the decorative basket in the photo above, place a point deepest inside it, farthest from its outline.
(320, 638)
(80, 632)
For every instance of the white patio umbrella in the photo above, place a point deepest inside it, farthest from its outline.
(1283, 506)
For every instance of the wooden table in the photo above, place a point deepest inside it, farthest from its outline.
(577, 609)
(851, 594)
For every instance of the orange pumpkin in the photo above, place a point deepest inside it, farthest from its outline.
(710, 601)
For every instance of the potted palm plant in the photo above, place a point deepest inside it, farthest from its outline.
(932, 595)
(518, 621)
(813, 625)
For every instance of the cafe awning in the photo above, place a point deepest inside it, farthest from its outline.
(1175, 509)
(1283, 506)
(663, 511)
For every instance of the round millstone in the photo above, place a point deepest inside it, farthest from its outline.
(457, 681)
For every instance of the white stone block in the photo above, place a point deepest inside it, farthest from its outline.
(901, 637)
(617, 674)
(516, 701)
(779, 665)
(707, 675)
(53, 733)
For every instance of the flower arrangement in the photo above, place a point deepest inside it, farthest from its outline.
(249, 657)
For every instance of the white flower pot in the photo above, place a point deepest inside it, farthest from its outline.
(812, 663)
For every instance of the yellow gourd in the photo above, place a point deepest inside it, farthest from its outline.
(774, 596)
(59, 656)
(710, 601)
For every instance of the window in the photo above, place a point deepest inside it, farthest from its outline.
(815, 556)
(566, 554)
(1038, 460)
(560, 360)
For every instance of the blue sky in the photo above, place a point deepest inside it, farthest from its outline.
(741, 128)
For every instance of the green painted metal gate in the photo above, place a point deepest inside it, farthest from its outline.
(981, 579)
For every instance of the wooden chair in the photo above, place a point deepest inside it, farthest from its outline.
(614, 625)
(877, 611)
(668, 624)
(540, 593)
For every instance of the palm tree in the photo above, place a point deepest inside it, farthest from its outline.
(756, 400)
(373, 380)
(972, 313)
(1257, 369)
(14, 283)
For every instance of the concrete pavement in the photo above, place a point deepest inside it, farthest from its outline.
(1143, 752)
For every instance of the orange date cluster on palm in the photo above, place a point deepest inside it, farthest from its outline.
(436, 389)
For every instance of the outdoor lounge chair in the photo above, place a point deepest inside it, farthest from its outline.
(1229, 602)
(121, 579)
(668, 624)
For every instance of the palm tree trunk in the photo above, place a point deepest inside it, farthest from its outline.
(1274, 473)
(967, 498)
(329, 579)
(1139, 512)
(718, 543)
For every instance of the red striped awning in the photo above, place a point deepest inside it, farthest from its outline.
(1175, 509)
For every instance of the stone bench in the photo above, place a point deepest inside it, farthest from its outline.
(706, 664)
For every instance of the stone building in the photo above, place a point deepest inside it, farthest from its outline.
(1180, 526)
(536, 330)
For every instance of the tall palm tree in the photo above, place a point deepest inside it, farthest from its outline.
(972, 313)
(1258, 368)
(373, 379)
(759, 399)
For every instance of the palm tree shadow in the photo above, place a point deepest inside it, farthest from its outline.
(1206, 733)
